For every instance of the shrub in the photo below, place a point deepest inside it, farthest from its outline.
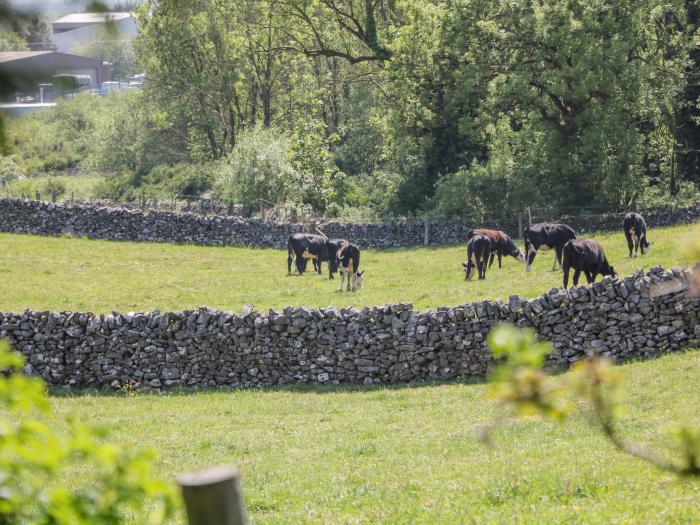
(32, 452)
(9, 171)
(258, 169)
(53, 186)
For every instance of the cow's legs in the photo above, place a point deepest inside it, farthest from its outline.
(577, 274)
(354, 281)
(566, 276)
(493, 256)
(554, 263)
(590, 276)
(636, 245)
(630, 244)
(530, 259)
(289, 263)
(301, 264)
(342, 279)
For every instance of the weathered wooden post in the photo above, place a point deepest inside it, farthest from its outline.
(53, 196)
(72, 196)
(38, 195)
(520, 225)
(426, 232)
(213, 496)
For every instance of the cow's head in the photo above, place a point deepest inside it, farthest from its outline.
(468, 270)
(359, 281)
(611, 272)
(518, 255)
(645, 245)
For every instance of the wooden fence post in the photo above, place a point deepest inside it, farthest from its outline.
(213, 496)
(520, 225)
(426, 232)
(38, 196)
(53, 196)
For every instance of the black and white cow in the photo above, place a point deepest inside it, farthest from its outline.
(478, 253)
(587, 256)
(501, 244)
(305, 246)
(348, 257)
(634, 227)
(543, 237)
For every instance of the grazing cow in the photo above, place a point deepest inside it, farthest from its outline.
(478, 253)
(634, 226)
(501, 244)
(304, 246)
(545, 236)
(333, 246)
(587, 256)
(348, 257)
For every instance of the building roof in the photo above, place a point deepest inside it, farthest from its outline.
(48, 57)
(91, 18)
(9, 56)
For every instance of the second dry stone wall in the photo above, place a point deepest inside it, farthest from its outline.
(124, 224)
(638, 316)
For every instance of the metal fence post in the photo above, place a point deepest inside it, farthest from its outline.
(213, 496)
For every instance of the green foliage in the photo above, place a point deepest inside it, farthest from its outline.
(9, 171)
(12, 41)
(258, 169)
(519, 382)
(33, 453)
(165, 181)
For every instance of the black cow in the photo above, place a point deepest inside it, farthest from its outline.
(304, 246)
(501, 244)
(634, 226)
(545, 236)
(478, 253)
(348, 257)
(587, 256)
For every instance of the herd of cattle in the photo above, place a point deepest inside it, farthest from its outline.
(483, 246)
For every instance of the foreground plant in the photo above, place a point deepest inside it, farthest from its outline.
(32, 453)
(520, 384)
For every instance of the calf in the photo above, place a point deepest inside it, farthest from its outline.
(587, 256)
(545, 236)
(348, 257)
(478, 253)
(501, 244)
(634, 226)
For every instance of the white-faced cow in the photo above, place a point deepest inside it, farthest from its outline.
(348, 257)
(478, 253)
(501, 244)
(543, 237)
(305, 246)
(587, 256)
(635, 227)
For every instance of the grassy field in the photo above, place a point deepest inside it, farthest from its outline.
(78, 274)
(408, 454)
(81, 186)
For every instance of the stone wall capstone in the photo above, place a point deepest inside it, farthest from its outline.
(124, 224)
(638, 316)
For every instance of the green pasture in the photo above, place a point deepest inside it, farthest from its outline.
(79, 186)
(47, 273)
(408, 454)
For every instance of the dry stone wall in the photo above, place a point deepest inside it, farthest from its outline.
(638, 316)
(124, 224)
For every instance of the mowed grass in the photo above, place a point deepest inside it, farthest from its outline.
(47, 273)
(408, 454)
